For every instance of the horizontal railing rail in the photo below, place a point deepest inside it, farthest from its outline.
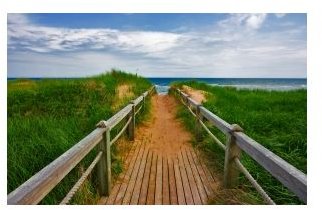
(40, 184)
(238, 141)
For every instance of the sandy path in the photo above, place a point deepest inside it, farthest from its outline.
(162, 167)
(165, 133)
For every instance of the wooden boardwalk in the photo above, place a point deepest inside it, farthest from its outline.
(153, 178)
(157, 176)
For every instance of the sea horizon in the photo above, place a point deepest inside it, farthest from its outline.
(163, 83)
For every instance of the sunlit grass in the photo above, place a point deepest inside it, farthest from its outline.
(277, 120)
(47, 117)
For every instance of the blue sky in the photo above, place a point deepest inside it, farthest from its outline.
(157, 45)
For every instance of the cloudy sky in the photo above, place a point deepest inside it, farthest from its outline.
(157, 45)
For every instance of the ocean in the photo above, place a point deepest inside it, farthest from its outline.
(162, 84)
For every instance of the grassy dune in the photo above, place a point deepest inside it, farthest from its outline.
(47, 117)
(277, 120)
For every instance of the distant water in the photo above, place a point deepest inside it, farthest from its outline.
(162, 84)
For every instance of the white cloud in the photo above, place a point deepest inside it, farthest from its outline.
(233, 47)
(45, 39)
(255, 21)
(243, 21)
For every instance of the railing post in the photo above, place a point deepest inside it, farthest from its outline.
(143, 102)
(131, 127)
(231, 172)
(199, 116)
(184, 99)
(104, 165)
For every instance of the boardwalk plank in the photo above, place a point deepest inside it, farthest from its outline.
(165, 182)
(151, 189)
(139, 179)
(153, 179)
(130, 186)
(122, 190)
(145, 181)
(158, 182)
(192, 182)
(102, 200)
(185, 181)
(199, 183)
(207, 173)
(128, 160)
(202, 174)
(110, 199)
(179, 185)
(172, 183)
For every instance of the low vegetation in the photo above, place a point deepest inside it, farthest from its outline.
(275, 119)
(46, 117)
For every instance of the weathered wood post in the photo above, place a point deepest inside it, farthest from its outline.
(184, 98)
(104, 165)
(181, 97)
(143, 101)
(131, 127)
(199, 117)
(231, 171)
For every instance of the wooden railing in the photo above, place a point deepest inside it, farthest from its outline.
(39, 185)
(237, 141)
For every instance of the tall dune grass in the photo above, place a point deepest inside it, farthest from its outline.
(47, 117)
(275, 119)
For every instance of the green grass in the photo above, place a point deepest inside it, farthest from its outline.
(275, 119)
(47, 117)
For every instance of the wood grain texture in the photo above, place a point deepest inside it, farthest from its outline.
(119, 116)
(231, 171)
(145, 181)
(130, 185)
(199, 184)
(215, 120)
(127, 176)
(158, 182)
(191, 178)
(131, 155)
(179, 185)
(185, 181)
(138, 100)
(157, 179)
(208, 176)
(205, 183)
(104, 165)
(139, 179)
(172, 183)
(165, 182)
(192, 103)
(152, 178)
(131, 126)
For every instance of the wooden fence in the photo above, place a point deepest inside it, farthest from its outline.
(39, 185)
(237, 141)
